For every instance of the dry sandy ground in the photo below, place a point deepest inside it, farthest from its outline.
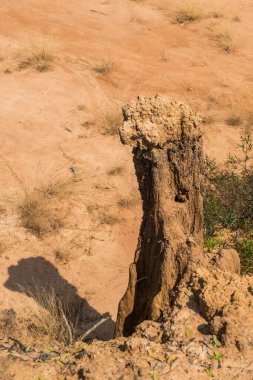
(55, 121)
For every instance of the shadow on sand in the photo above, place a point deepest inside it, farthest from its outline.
(40, 273)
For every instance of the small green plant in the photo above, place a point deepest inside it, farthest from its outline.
(209, 371)
(216, 341)
(217, 355)
(213, 243)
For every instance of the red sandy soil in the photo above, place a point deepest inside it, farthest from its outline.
(42, 113)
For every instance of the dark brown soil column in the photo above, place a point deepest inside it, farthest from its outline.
(167, 151)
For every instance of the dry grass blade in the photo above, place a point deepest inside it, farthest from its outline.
(113, 120)
(54, 318)
(188, 11)
(88, 332)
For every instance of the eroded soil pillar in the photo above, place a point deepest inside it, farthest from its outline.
(167, 152)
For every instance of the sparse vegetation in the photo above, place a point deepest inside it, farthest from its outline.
(41, 59)
(234, 121)
(212, 243)
(113, 120)
(126, 202)
(228, 201)
(54, 318)
(117, 170)
(104, 66)
(189, 11)
(37, 210)
(37, 215)
(225, 41)
(61, 255)
(109, 219)
(245, 247)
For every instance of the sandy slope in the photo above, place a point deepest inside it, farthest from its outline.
(41, 119)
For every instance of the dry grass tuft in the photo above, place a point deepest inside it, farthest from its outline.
(113, 120)
(61, 255)
(41, 59)
(117, 170)
(188, 11)
(37, 210)
(225, 41)
(109, 219)
(38, 216)
(104, 66)
(127, 203)
(234, 120)
(88, 123)
(54, 318)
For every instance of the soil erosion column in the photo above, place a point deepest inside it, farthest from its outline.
(168, 158)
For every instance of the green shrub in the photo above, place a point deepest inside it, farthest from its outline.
(228, 201)
(245, 248)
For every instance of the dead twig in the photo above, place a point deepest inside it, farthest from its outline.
(103, 320)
